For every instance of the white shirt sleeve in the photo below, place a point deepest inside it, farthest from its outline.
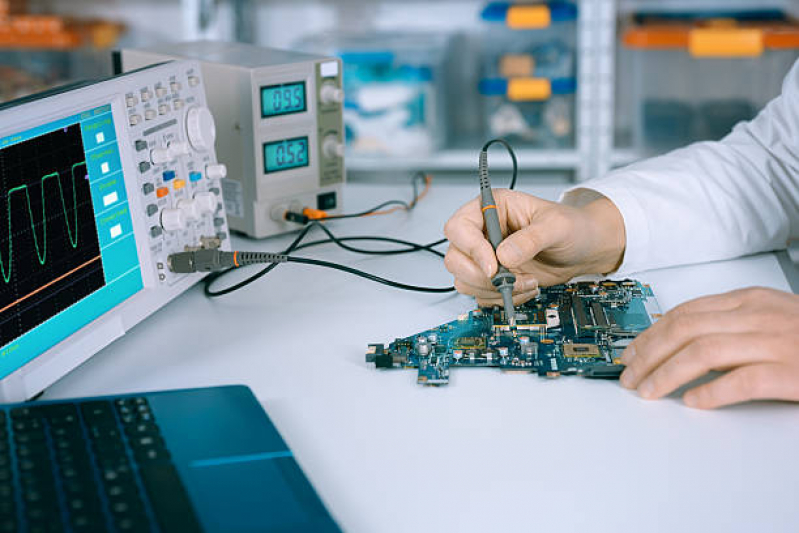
(711, 200)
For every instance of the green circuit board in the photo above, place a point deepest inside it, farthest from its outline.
(575, 329)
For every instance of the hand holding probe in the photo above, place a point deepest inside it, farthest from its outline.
(504, 279)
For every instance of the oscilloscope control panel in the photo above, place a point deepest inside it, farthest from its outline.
(99, 183)
(173, 135)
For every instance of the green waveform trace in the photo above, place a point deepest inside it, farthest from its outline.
(41, 252)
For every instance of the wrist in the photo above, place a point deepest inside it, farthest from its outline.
(606, 235)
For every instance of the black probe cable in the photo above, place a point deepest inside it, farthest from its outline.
(295, 245)
(218, 269)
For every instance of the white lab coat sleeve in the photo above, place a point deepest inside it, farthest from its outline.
(711, 200)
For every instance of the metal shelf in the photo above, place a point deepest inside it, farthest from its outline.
(466, 159)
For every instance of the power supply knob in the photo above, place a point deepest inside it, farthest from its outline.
(200, 128)
(173, 219)
(329, 93)
(159, 156)
(215, 172)
(332, 147)
(190, 209)
(206, 202)
(177, 149)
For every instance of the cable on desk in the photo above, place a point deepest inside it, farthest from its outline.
(308, 214)
(216, 261)
(339, 241)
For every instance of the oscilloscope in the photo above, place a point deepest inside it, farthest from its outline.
(98, 184)
(280, 117)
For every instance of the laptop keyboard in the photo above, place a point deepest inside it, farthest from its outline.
(99, 465)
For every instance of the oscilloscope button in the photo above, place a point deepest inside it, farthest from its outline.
(219, 222)
(148, 188)
(175, 86)
(134, 119)
(195, 176)
(160, 92)
(161, 192)
(156, 231)
(194, 81)
(151, 210)
(146, 95)
(131, 101)
(144, 166)
(140, 145)
(149, 114)
(163, 109)
(177, 104)
(168, 175)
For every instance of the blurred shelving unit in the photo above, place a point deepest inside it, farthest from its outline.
(603, 114)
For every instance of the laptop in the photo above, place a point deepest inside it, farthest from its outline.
(185, 461)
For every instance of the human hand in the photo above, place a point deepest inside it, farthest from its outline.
(753, 334)
(546, 243)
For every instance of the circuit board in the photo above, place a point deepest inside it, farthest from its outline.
(576, 329)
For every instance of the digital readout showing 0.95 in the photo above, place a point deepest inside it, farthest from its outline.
(282, 99)
(285, 154)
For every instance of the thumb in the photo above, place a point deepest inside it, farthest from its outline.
(523, 245)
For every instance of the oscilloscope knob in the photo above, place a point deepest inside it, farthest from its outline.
(173, 219)
(176, 149)
(190, 208)
(206, 202)
(200, 128)
(216, 171)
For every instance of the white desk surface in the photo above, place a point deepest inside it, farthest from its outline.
(489, 452)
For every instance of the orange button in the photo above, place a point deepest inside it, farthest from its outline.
(161, 192)
(179, 184)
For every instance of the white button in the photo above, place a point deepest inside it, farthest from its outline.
(149, 114)
(163, 109)
(217, 171)
(175, 86)
(194, 81)
(134, 119)
(131, 101)
(146, 95)
(160, 92)
(159, 156)
(177, 104)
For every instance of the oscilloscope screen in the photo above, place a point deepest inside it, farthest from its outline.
(49, 250)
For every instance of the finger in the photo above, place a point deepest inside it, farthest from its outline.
(546, 229)
(465, 231)
(765, 381)
(707, 304)
(706, 353)
(670, 334)
(520, 287)
(518, 299)
(465, 269)
(727, 301)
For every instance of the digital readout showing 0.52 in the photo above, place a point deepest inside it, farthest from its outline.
(285, 154)
(282, 99)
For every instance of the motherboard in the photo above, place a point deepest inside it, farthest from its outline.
(575, 329)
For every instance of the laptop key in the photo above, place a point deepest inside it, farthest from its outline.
(171, 505)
